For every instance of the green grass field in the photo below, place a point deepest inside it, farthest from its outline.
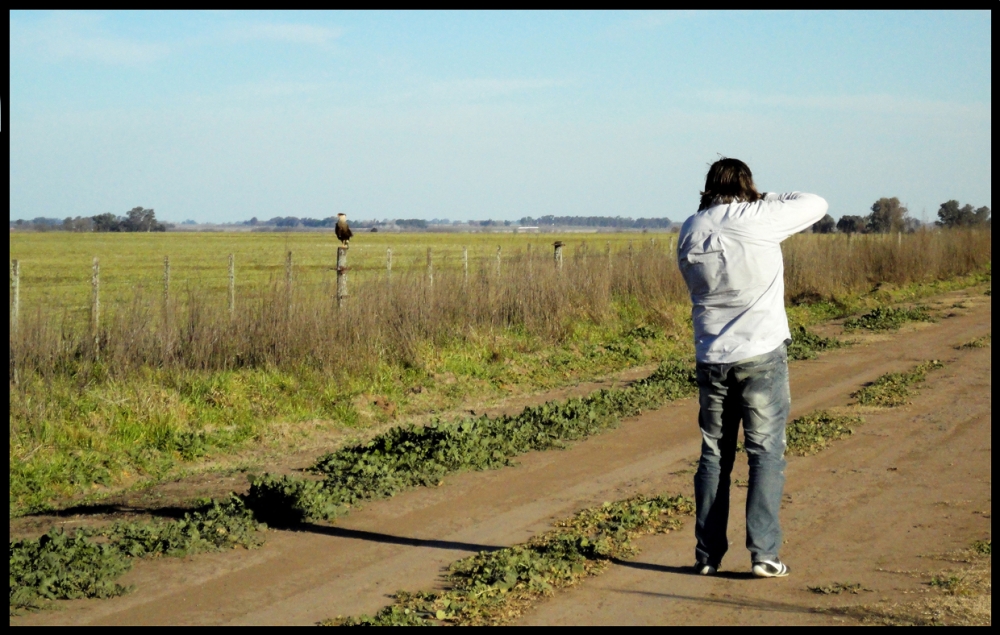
(56, 266)
(180, 388)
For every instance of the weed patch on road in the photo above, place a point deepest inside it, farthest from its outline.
(813, 432)
(979, 342)
(894, 389)
(962, 597)
(86, 563)
(807, 345)
(887, 319)
(839, 587)
(494, 588)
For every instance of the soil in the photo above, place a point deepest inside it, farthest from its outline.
(911, 482)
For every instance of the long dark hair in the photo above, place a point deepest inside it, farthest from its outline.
(728, 181)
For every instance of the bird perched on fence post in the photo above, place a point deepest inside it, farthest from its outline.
(343, 232)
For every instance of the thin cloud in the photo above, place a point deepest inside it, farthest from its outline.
(78, 37)
(306, 34)
(871, 104)
(488, 88)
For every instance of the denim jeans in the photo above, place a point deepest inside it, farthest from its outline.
(753, 390)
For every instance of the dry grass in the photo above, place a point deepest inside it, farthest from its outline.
(385, 320)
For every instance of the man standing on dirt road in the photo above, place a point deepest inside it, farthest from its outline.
(729, 253)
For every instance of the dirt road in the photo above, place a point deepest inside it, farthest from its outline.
(912, 481)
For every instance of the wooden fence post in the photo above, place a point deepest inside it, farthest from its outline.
(166, 282)
(607, 250)
(465, 265)
(388, 263)
(15, 293)
(95, 305)
(430, 269)
(288, 271)
(498, 261)
(631, 255)
(559, 254)
(232, 286)
(341, 275)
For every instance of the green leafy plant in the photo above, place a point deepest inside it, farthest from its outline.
(893, 389)
(492, 588)
(887, 318)
(84, 564)
(983, 547)
(806, 344)
(812, 432)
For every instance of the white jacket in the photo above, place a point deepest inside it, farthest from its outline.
(730, 257)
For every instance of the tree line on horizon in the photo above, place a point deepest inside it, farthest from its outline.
(137, 219)
(888, 215)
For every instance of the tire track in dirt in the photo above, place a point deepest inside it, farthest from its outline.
(304, 576)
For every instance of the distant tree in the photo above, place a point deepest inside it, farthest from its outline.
(825, 225)
(106, 223)
(951, 215)
(852, 225)
(888, 215)
(138, 219)
(911, 225)
(253, 222)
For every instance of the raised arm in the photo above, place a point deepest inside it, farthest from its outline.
(792, 212)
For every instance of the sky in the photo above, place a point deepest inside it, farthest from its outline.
(221, 116)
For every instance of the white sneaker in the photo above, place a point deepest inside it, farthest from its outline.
(770, 569)
(704, 569)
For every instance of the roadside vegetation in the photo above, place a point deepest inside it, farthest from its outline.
(961, 596)
(85, 564)
(175, 381)
(894, 389)
(496, 587)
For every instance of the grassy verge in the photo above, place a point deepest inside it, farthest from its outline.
(894, 389)
(59, 566)
(89, 434)
(494, 588)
